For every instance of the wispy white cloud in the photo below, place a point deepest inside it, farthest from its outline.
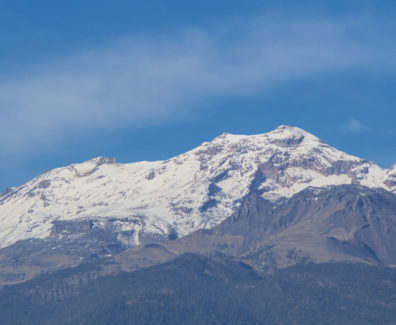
(354, 126)
(143, 80)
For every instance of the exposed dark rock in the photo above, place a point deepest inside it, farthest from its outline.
(207, 205)
(213, 189)
(222, 176)
(98, 162)
(44, 184)
(150, 175)
(258, 179)
(289, 142)
(345, 223)
(7, 191)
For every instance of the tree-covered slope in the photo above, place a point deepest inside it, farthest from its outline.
(207, 290)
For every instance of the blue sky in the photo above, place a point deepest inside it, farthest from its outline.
(149, 80)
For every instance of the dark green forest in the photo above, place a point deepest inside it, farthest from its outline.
(193, 289)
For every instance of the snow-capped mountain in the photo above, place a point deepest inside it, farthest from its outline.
(197, 189)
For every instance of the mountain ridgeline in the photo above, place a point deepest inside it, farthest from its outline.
(277, 228)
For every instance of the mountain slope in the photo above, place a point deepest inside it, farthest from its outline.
(147, 201)
(345, 223)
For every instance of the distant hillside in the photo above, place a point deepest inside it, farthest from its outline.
(214, 290)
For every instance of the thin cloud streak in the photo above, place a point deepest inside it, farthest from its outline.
(147, 80)
(354, 126)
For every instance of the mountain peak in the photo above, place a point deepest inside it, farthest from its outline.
(197, 189)
(286, 131)
(229, 137)
(90, 166)
(283, 135)
(286, 127)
